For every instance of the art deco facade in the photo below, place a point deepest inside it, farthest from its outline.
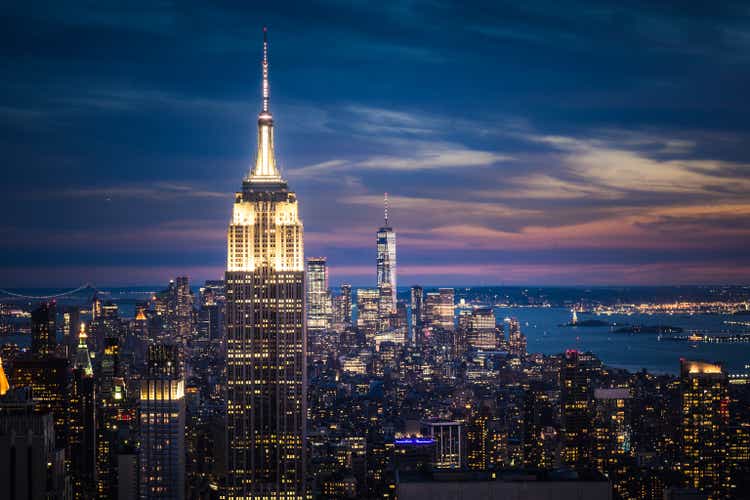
(266, 344)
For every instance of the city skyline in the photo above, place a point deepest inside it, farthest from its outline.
(603, 148)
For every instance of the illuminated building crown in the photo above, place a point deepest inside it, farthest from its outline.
(265, 162)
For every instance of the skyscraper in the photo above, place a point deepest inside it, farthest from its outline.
(367, 312)
(439, 309)
(266, 344)
(704, 392)
(43, 329)
(387, 257)
(82, 421)
(575, 412)
(482, 333)
(318, 296)
(417, 313)
(163, 425)
(343, 307)
(32, 466)
(516, 339)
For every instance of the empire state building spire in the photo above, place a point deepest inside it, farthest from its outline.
(265, 161)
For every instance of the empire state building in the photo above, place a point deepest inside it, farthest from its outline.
(266, 344)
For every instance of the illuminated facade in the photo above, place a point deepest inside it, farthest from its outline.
(439, 309)
(575, 415)
(482, 334)
(82, 422)
(417, 314)
(611, 438)
(162, 398)
(704, 396)
(368, 300)
(343, 307)
(266, 342)
(318, 296)
(516, 338)
(386, 241)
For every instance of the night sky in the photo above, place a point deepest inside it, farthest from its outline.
(539, 143)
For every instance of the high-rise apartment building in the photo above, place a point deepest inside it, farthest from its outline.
(704, 412)
(162, 401)
(516, 338)
(266, 342)
(575, 412)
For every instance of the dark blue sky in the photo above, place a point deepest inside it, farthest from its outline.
(520, 142)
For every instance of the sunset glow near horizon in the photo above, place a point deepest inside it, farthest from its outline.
(519, 145)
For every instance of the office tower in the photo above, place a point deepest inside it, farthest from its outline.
(82, 422)
(704, 413)
(183, 308)
(368, 300)
(71, 324)
(318, 296)
(575, 414)
(446, 309)
(611, 435)
(439, 309)
(110, 366)
(516, 339)
(49, 380)
(448, 442)
(115, 416)
(105, 324)
(482, 333)
(343, 306)
(266, 345)
(431, 309)
(43, 329)
(212, 310)
(386, 240)
(386, 309)
(96, 307)
(417, 314)
(33, 467)
(163, 425)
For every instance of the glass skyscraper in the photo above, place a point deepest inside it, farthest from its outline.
(386, 239)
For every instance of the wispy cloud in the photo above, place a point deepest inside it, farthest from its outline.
(157, 191)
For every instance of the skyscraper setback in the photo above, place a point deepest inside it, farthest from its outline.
(266, 341)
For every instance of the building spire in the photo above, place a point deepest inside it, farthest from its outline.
(266, 88)
(265, 161)
(385, 207)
